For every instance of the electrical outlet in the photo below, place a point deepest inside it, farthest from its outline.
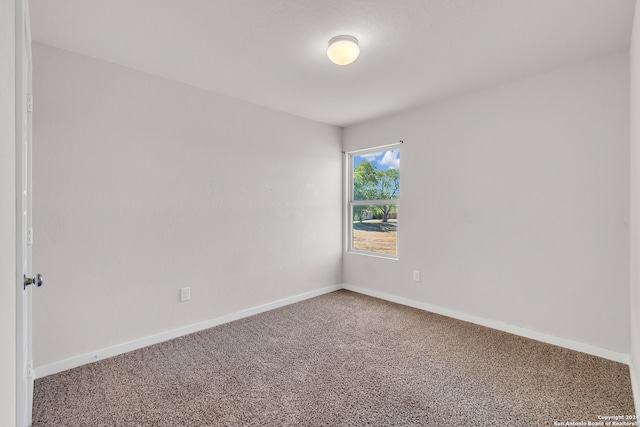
(185, 294)
(416, 275)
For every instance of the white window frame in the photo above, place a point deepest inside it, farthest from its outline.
(351, 203)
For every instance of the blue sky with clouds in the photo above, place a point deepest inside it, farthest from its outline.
(383, 160)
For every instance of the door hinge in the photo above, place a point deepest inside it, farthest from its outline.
(30, 236)
(29, 102)
(30, 372)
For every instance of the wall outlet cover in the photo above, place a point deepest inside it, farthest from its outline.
(185, 294)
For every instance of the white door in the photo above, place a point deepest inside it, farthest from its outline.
(24, 279)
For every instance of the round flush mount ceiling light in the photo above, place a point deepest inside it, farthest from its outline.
(343, 50)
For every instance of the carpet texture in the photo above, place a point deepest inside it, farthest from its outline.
(341, 359)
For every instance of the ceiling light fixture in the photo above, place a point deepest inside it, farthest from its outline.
(343, 50)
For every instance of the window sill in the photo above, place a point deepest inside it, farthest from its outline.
(373, 255)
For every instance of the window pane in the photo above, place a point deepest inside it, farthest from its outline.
(375, 228)
(376, 176)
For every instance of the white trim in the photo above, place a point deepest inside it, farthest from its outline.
(501, 326)
(374, 149)
(373, 254)
(634, 387)
(23, 87)
(375, 202)
(74, 362)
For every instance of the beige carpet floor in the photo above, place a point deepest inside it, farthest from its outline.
(341, 359)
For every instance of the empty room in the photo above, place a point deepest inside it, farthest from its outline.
(301, 213)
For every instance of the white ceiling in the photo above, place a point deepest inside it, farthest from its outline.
(273, 52)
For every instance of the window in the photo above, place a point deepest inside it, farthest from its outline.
(374, 195)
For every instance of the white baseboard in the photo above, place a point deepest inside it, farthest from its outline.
(635, 387)
(501, 326)
(74, 362)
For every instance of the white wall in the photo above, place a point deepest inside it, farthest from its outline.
(143, 186)
(7, 216)
(514, 204)
(635, 202)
